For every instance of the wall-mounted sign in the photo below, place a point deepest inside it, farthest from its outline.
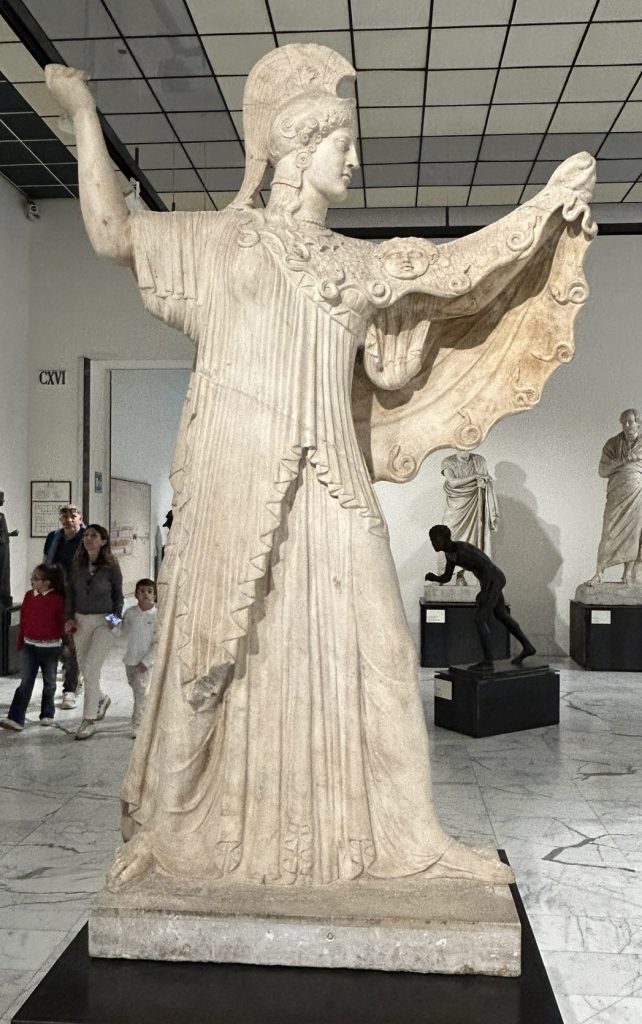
(52, 378)
(46, 498)
(98, 483)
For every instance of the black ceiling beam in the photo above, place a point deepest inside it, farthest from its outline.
(458, 231)
(28, 31)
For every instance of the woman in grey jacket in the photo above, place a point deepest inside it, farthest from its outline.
(94, 607)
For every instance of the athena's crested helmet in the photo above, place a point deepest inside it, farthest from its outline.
(290, 103)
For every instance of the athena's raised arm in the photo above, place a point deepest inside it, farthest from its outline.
(103, 207)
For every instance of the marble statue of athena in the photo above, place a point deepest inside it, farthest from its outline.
(284, 740)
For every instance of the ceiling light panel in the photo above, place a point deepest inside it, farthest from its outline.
(177, 94)
(584, 117)
(383, 14)
(379, 175)
(532, 11)
(519, 117)
(168, 57)
(17, 64)
(450, 88)
(624, 145)
(446, 173)
(461, 120)
(618, 10)
(530, 85)
(502, 172)
(387, 150)
(151, 156)
(542, 45)
(132, 128)
(470, 12)
(601, 83)
(230, 15)
(235, 55)
(442, 195)
(390, 121)
(607, 43)
(391, 88)
(339, 41)
(72, 19)
(466, 47)
(511, 147)
(391, 196)
(398, 48)
(203, 127)
(558, 147)
(216, 154)
(309, 15)
(101, 58)
(126, 96)
(142, 17)
(630, 120)
(485, 195)
(232, 87)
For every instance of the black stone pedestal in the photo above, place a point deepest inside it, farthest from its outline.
(509, 699)
(79, 990)
(448, 635)
(607, 637)
(9, 626)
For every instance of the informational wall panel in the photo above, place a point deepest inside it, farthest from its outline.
(130, 529)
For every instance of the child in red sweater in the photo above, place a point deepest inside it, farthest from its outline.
(42, 626)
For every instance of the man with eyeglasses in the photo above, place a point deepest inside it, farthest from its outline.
(60, 548)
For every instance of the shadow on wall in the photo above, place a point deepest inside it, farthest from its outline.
(528, 551)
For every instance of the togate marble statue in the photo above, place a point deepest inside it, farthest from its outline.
(284, 746)
(621, 465)
(471, 510)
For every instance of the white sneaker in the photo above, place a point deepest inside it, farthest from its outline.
(8, 723)
(46, 721)
(68, 700)
(103, 704)
(86, 729)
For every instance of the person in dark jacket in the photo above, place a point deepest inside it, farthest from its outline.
(61, 546)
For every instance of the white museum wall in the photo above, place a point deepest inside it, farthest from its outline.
(15, 234)
(80, 307)
(544, 461)
(145, 410)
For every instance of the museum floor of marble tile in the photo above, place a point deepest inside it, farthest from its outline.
(563, 801)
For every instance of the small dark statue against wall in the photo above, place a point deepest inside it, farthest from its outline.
(5, 559)
(490, 599)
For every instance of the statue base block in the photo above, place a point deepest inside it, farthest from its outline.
(607, 637)
(509, 699)
(80, 989)
(421, 925)
(447, 629)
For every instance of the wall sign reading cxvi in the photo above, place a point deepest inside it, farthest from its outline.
(53, 378)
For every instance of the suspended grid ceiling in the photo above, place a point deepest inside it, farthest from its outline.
(464, 105)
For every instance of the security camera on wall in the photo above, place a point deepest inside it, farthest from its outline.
(33, 211)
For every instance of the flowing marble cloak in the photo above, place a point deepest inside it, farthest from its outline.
(471, 511)
(283, 738)
(621, 538)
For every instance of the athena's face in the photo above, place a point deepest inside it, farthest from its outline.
(332, 164)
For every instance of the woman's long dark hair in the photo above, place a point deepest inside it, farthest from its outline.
(105, 555)
(54, 576)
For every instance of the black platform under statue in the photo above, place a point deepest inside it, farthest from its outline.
(489, 600)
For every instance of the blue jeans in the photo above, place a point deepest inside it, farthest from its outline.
(34, 658)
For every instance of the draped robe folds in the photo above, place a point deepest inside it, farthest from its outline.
(283, 738)
(471, 511)
(621, 538)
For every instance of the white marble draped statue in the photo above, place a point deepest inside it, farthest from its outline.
(621, 466)
(471, 510)
(284, 739)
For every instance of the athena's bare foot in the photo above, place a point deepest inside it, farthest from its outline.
(627, 578)
(594, 580)
(68, 86)
(132, 860)
(459, 861)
